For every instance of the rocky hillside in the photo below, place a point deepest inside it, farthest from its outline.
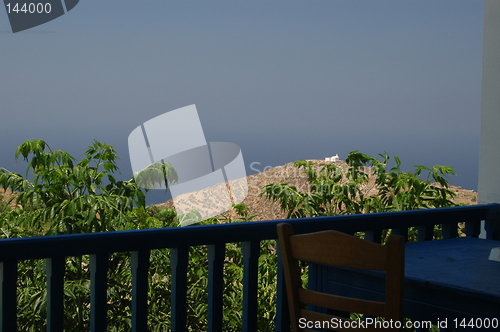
(267, 210)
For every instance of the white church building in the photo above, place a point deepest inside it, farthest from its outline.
(334, 158)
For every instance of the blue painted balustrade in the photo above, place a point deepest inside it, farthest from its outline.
(139, 243)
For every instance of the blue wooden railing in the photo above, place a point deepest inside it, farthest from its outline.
(139, 243)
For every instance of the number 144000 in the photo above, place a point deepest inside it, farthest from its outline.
(31, 8)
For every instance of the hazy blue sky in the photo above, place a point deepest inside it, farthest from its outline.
(285, 80)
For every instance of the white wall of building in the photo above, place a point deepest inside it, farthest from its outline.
(489, 154)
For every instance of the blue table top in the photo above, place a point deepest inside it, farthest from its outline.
(459, 265)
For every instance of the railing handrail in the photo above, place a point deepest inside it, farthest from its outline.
(159, 238)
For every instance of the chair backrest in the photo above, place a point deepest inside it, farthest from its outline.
(342, 250)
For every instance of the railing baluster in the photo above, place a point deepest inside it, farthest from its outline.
(55, 268)
(98, 292)
(492, 224)
(215, 255)
(402, 232)
(373, 236)
(179, 260)
(251, 252)
(449, 231)
(473, 228)
(8, 296)
(425, 233)
(282, 313)
(140, 272)
(492, 228)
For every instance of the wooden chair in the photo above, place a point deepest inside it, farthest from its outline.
(343, 250)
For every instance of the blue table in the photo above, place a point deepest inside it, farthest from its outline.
(446, 280)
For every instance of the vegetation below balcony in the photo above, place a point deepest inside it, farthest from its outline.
(70, 197)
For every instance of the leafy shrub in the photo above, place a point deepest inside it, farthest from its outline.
(70, 197)
(4, 206)
(334, 191)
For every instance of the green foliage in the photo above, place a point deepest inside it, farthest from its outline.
(4, 206)
(335, 191)
(32, 296)
(156, 174)
(71, 198)
(67, 196)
